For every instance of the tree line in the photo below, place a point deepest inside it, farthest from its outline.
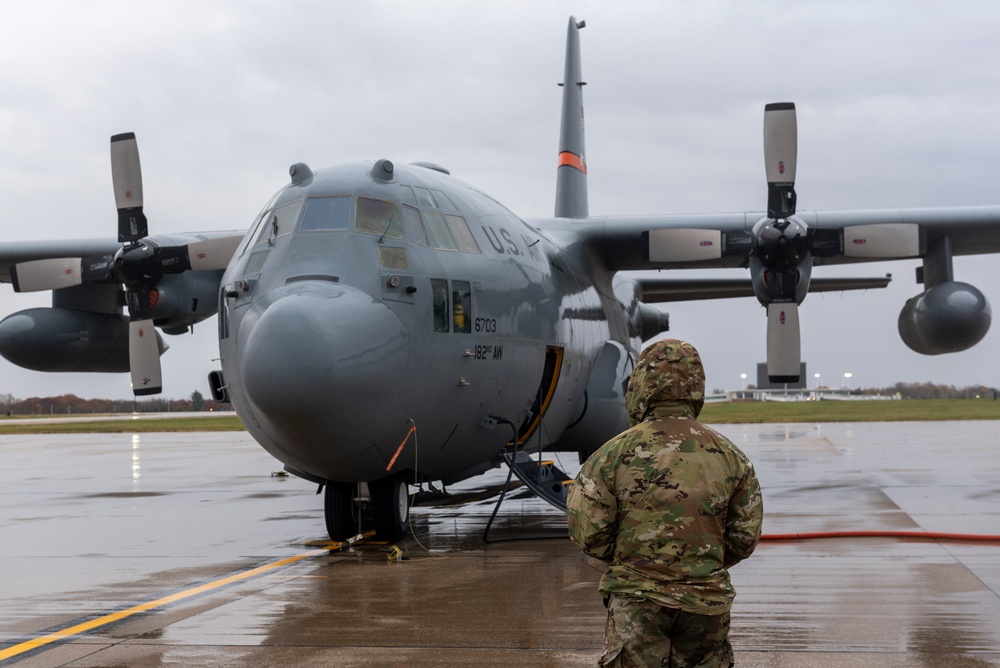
(70, 404)
(918, 391)
(933, 391)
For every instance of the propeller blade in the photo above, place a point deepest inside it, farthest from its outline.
(126, 175)
(696, 244)
(197, 256)
(780, 156)
(212, 253)
(51, 274)
(58, 273)
(878, 241)
(144, 358)
(888, 240)
(783, 352)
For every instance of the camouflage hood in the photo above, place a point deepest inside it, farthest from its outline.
(668, 372)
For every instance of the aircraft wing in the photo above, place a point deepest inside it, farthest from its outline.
(970, 230)
(701, 241)
(659, 290)
(15, 252)
(780, 249)
(168, 281)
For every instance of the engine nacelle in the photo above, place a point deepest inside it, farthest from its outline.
(603, 413)
(766, 281)
(66, 340)
(652, 321)
(947, 318)
(185, 299)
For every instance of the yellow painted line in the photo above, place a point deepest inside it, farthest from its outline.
(113, 617)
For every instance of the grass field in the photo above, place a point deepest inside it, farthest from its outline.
(117, 425)
(852, 411)
(734, 413)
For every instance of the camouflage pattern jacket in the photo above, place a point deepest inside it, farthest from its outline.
(669, 503)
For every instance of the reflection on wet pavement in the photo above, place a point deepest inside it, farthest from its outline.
(91, 524)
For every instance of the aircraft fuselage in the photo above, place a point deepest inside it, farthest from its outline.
(359, 306)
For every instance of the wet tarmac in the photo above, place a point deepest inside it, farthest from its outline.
(137, 550)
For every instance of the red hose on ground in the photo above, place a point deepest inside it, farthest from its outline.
(929, 535)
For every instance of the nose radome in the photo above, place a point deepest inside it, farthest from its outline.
(321, 365)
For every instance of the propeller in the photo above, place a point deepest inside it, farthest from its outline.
(139, 265)
(782, 260)
(780, 247)
(136, 266)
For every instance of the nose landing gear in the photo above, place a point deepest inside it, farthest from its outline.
(342, 507)
(383, 503)
(391, 507)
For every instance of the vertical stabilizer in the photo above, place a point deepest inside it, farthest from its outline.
(571, 175)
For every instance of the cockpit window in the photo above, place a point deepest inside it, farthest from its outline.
(424, 197)
(439, 298)
(326, 213)
(282, 222)
(258, 221)
(376, 216)
(391, 257)
(440, 236)
(461, 306)
(414, 228)
(406, 195)
(275, 223)
(443, 202)
(254, 231)
(463, 236)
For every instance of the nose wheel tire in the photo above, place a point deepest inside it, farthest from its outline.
(391, 507)
(341, 510)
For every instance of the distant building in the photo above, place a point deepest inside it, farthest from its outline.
(764, 384)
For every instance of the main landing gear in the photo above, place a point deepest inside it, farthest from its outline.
(350, 506)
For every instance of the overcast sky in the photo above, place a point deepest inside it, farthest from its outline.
(898, 106)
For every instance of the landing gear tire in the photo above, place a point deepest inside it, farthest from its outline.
(391, 507)
(341, 510)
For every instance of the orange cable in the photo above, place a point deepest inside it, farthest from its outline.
(400, 448)
(929, 535)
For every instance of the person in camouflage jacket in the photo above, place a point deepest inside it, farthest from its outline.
(669, 504)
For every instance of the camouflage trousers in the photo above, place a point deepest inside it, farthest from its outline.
(641, 633)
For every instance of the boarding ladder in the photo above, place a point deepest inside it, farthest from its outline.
(543, 478)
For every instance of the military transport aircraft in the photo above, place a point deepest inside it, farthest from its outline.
(374, 307)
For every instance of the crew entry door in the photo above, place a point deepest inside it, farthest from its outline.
(546, 390)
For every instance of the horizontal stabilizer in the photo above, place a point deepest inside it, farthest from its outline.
(659, 290)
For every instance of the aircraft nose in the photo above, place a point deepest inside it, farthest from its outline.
(320, 366)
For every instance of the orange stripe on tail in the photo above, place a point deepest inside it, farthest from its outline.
(572, 160)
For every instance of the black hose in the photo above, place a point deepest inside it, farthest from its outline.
(510, 473)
